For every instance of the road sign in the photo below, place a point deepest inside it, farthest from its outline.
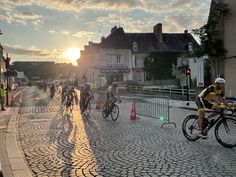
(200, 73)
(20, 75)
(183, 81)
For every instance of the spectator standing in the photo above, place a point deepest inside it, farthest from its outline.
(2, 97)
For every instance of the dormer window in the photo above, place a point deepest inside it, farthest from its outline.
(189, 46)
(135, 46)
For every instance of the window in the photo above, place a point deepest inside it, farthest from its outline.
(135, 46)
(136, 61)
(118, 59)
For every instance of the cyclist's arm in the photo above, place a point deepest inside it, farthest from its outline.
(91, 93)
(117, 94)
(225, 102)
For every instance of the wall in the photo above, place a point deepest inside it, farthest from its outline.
(230, 45)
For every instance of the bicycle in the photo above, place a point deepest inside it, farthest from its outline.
(225, 129)
(64, 98)
(85, 107)
(69, 103)
(112, 109)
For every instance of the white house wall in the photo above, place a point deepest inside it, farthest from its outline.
(230, 45)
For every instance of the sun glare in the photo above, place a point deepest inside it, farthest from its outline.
(72, 53)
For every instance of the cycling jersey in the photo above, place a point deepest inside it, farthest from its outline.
(207, 97)
(210, 93)
(112, 91)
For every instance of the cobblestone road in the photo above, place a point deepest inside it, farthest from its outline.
(56, 143)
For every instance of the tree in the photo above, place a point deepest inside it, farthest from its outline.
(159, 65)
(210, 36)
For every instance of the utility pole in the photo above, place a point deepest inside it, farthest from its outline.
(187, 72)
(7, 63)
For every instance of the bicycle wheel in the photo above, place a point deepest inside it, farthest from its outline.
(71, 106)
(88, 109)
(189, 127)
(225, 132)
(115, 112)
(104, 112)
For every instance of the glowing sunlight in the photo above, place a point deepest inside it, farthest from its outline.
(72, 53)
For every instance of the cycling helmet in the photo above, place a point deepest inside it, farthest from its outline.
(87, 85)
(115, 84)
(220, 80)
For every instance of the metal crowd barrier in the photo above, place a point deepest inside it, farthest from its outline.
(148, 106)
(154, 107)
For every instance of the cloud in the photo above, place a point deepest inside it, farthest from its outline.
(19, 50)
(11, 15)
(84, 34)
(156, 6)
(116, 9)
(65, 32)
(52, 31)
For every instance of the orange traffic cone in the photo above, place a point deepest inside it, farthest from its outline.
(12, 101)
(133, 112)
(97, 104)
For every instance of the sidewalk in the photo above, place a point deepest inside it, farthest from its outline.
(11, 163)
(189, 105)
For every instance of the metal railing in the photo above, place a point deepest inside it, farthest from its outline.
(149, 106)
(170, 91)
(153, 107)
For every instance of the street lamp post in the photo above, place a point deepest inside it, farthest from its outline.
(1, 63)
(7, 63)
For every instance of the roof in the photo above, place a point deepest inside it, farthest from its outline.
(147, 42)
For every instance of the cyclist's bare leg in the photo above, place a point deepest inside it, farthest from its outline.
(216, 108)
(201, 114)
(107, 102)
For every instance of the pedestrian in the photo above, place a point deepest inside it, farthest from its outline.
(2, 97)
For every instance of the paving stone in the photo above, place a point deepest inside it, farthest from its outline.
(94, 146)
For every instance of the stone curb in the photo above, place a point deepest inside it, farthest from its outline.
(17, 163)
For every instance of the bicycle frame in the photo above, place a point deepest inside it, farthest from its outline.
(221, 117)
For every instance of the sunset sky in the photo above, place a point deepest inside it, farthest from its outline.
(55, 30)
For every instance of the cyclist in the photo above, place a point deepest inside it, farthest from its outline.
(64, 93)
(71, 94)
(111, 94)
(211, 97)
(85, 95)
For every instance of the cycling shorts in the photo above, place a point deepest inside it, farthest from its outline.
(202, 104)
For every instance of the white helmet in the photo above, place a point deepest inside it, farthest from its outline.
(220, 80)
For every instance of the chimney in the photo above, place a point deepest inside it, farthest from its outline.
(185, 31)
(90, 43)
(114, 29)
(103, 38)
(158, 32)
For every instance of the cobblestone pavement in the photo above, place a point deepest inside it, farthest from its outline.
(56, 143)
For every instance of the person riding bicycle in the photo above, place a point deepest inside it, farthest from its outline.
(86, 95)
(71, 94)
(211, 97)
(111, 94)
(63, 93)
(52, 90)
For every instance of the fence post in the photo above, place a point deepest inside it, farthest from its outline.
(168, 115)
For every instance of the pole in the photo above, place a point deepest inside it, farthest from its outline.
(187, 90)
(7, 103)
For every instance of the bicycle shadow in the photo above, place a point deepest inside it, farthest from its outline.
(61, 137)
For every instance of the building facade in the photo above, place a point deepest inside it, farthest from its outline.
(120, 56)
(229, 37)
(2, 65)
